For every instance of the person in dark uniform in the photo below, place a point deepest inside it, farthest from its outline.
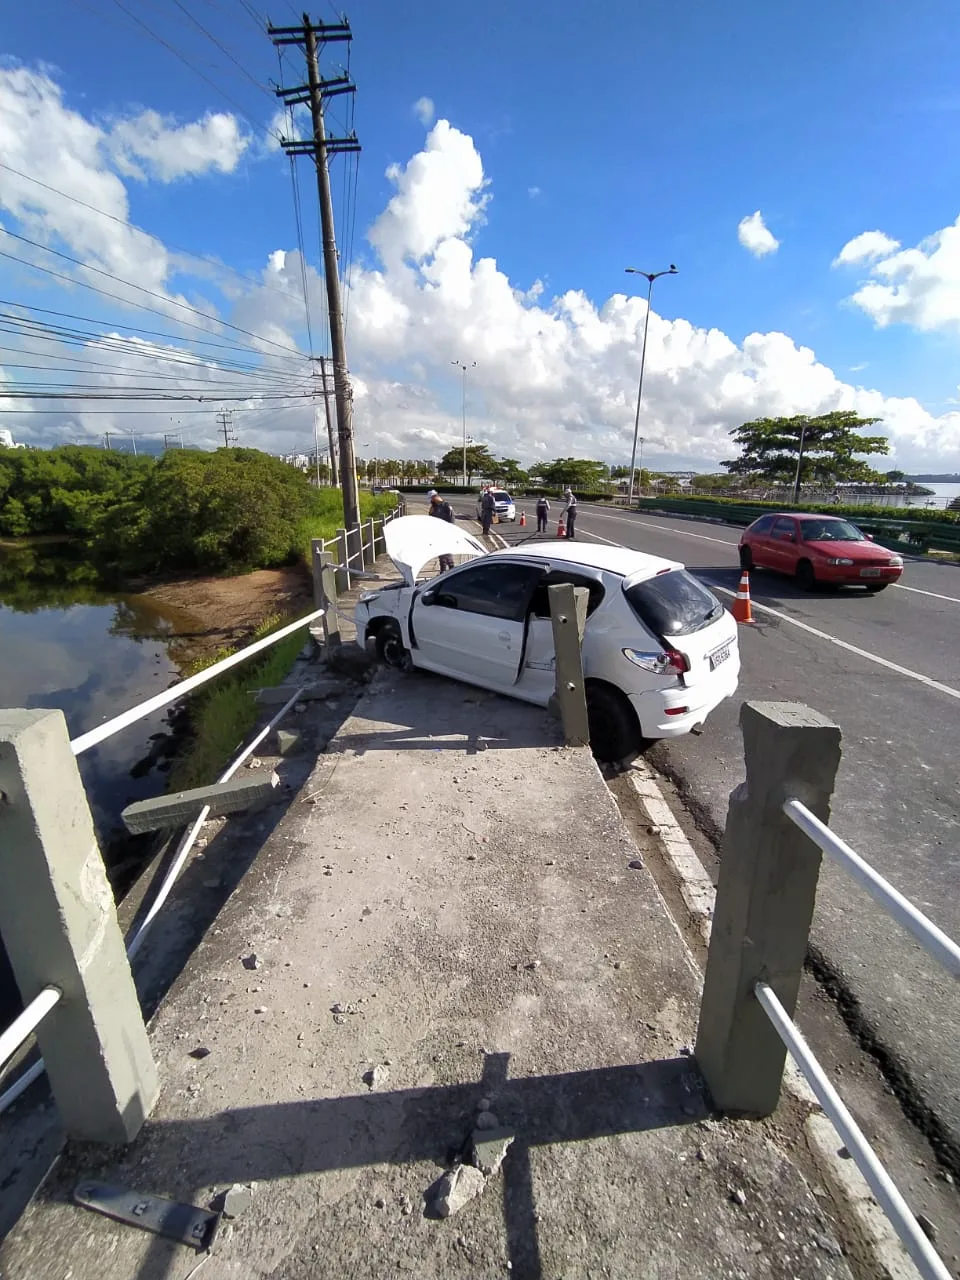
(442, 509)
(488, 509)
(570, 511)
(543, 514)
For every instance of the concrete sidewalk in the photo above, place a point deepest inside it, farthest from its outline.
(450, 921)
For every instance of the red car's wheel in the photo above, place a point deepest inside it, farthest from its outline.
(746, 558)
(806, 578)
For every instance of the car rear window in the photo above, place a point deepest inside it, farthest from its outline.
(673, 603)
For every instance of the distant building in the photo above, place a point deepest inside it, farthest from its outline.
(7, 441)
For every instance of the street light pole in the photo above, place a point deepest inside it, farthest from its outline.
(649, 276)
(796, 482)
(463, 409)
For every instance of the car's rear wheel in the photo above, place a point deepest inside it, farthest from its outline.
(614, 728)
(390, 648)
(746, 559)
(874, 587)
(806, 578)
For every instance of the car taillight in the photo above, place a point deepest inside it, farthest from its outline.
(678, 660)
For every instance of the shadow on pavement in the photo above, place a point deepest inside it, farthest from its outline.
(430, 1124)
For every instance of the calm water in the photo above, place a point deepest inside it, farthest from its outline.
(92, 654)
(943, 494)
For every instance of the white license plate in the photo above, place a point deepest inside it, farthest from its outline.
(869, 573)
(718, 656)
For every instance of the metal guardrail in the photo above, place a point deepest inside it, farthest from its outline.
(23, 1026)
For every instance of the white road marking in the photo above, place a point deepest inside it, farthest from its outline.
(704, 537)
(851, 648)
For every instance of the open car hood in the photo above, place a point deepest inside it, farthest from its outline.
(413, 540)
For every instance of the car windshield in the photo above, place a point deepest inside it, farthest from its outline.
(500, 496)
(830, 531)
(673, 603)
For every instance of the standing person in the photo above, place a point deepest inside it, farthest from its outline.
(442, 509)
(570, 510)
(488, 509)
(543, 514)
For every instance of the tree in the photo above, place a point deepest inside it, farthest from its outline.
(480, 461)
(895, 477)
(830, 443)
(509, 472)
(578, 473)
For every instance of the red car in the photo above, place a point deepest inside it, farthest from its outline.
(818, 549)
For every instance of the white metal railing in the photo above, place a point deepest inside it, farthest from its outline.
(87, 740)
(884, 1189)
(23, 1026)
(943, 949)
(934, 940)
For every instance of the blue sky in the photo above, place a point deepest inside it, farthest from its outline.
(642, 137)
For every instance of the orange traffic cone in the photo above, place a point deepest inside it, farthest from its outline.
(561, 531)
(741, 604)
(523, 519)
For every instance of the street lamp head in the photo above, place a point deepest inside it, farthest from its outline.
(673, 270)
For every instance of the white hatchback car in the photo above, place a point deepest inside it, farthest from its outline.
(659, 649)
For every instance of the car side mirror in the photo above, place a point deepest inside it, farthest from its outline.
(869, 537)
(428, 597)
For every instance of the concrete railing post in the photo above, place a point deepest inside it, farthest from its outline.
(343, 558)
(379, 545)
(59, 926)
(765, 900)
(371, 542)
(568, 614)
(325, 594)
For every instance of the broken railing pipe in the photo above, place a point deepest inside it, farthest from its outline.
(87, 740)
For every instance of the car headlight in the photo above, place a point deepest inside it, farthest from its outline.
(839, 560)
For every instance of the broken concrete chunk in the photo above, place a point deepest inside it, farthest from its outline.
(376, 1076)
(487, 1120)
(237, 1200)
(457, 1188)
(289, 741)
(489, 1149)
(252, 961)
(635, 864)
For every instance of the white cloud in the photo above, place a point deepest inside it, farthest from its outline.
(864, 247)
(754, 235)
(555, 374)
(155, 145)
(918, 287)
(440, 197)
(424, 110)
(533, 192)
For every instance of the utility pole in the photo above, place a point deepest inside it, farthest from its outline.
(225, 423)
(310, 37)
(106, 440)
(334, 466)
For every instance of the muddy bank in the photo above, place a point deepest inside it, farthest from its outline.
(222, 612)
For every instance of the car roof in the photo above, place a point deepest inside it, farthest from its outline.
(591, 555)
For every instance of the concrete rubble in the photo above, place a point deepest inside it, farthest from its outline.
(397, 913)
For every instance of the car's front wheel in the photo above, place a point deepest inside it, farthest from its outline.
(390, 647)
(806, 578)
(614, 729)
(746, 559)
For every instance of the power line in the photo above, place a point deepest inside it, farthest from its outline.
(225, 51)
(152, 293)
(266, 408)
(260, 128)
(133, 226)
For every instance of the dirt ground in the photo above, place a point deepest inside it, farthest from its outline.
(226, 610)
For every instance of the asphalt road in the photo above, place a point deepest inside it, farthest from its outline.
(886, 668)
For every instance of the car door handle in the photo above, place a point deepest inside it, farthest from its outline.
(505, 636)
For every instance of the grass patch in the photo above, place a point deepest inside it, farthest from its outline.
(224, 714)
(328, 515)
